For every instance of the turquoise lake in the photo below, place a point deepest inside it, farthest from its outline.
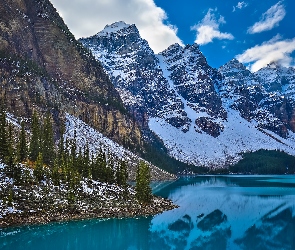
(216, 212)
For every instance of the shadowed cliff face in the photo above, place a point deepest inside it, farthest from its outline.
(43, 67)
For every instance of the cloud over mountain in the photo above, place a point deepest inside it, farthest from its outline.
(274, 50)
(208, 29)
(93, 15)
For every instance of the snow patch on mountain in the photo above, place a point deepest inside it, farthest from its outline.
(203, 115)
(202, 149)
(113, 28)
(84, 135)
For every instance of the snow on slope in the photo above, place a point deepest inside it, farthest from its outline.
(191, 114)
(238, 136)
(113, 28)
(211, 115)
(96, 141)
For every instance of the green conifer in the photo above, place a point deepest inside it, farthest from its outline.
(22, 145)
(35, 143)
(48, 149)
(61, 148)
(142, 187)
(3, 134)
(122, 174)
(39, 169)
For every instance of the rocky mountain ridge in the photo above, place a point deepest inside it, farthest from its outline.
(204, 116)
(44, 68)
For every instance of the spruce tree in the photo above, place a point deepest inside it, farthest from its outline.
(86, 166)
(38, 170)
(10, 158)
(98, 170)
(3, 134)
(55, 175)
(109, 171)
(142, 187)
(48, 150)
(73, 152)
(122, 174)
(35, 143)
(22, 145)
(79, 166)
(61, 148)
(95, 168)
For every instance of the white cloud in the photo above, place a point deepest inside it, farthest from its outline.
(86, 18)
(269, 19)
(208, 29)
(240, 6)
(274, 50)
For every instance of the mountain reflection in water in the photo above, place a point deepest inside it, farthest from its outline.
(216, 212)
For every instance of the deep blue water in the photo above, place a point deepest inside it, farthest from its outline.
(216, 212)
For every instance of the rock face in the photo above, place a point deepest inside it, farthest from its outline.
(134, 70)
(43, 67)
(194, 79)
(203, 115)
(264, 96)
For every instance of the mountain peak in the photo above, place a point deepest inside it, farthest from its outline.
(235, 64)
(232, 66)
(273, 65)
(172, 48)
(113, 28)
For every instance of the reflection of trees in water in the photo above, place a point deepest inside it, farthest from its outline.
(120, 234)
(112, 234)
(271, 232)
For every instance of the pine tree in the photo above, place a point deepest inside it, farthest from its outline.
(48, 149)
(86, 162)
(3, 134)
(35, 143)
(95, 168)
(61, 148)
(10, 158)
(98, 170)
(122, 174)
(142, 187)
(73, 152)
(109, 171)
(55, 175)
(79, 166)
(22, 145)
(39, 170)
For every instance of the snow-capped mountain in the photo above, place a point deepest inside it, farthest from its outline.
(203, 115)
(135, 72)
(246, 92)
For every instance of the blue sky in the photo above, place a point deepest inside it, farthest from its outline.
(254, 32)
(276, 20)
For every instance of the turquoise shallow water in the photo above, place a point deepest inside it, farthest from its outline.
(216, 212)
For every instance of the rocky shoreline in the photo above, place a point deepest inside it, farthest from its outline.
(158, 205)
(44, 203)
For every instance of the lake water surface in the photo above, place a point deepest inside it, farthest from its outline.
(216, 212)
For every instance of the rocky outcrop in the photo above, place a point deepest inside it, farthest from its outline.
(209, 126)
(194, 79)
(43, 67)
(134, 70)
(205, 117)
(265, 96)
